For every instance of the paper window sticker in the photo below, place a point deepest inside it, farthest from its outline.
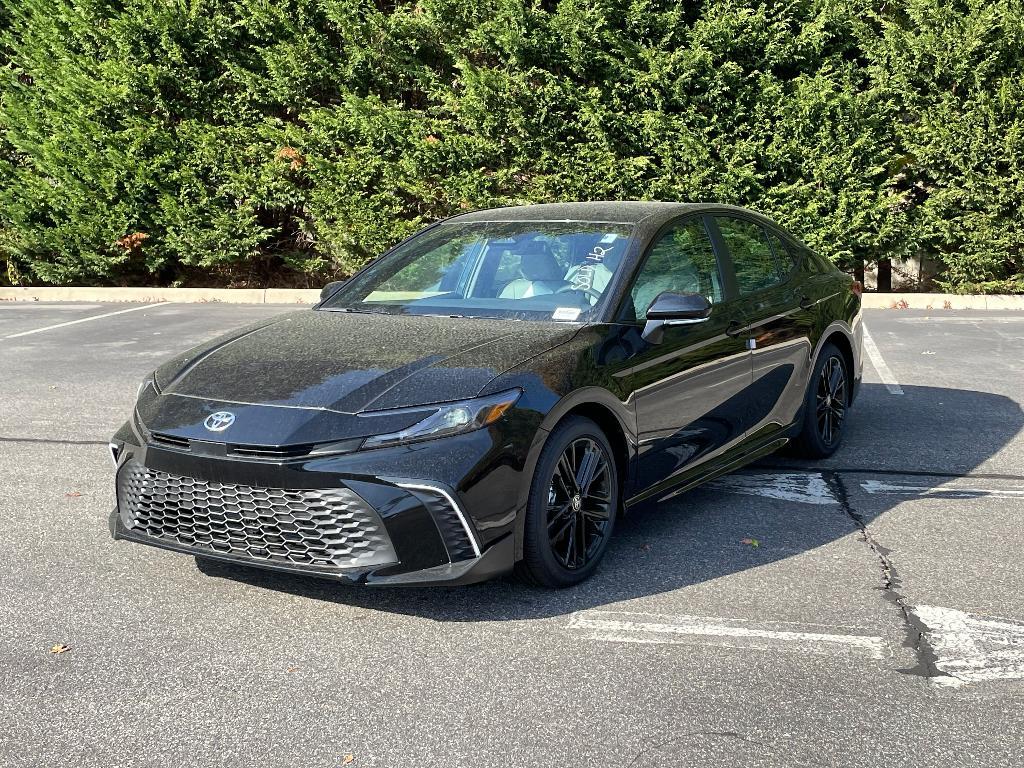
(565, 313)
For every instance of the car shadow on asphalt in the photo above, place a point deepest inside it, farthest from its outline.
(709, 532)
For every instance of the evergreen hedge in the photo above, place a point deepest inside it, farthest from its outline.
(288, 141)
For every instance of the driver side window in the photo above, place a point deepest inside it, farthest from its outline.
(682, 260)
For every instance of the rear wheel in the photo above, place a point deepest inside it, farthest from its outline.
(572, 504)
(825, 406)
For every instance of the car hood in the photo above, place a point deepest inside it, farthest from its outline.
(349, 363)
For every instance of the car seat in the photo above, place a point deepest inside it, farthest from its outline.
(540, 273)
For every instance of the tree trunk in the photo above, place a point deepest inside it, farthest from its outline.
(884, 276)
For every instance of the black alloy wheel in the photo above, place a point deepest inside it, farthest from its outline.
(571, 512)
(579, 503)
(830, 400)
(825, 405)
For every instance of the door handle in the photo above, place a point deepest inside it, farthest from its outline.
(734, 329)
(806, 303)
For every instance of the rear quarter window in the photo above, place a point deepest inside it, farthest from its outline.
(817, 263)
(786, 258)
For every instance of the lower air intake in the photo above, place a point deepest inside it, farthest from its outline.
(331, 528)
(450, 521)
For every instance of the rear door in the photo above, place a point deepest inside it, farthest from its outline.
(780, 320)
(687, 390)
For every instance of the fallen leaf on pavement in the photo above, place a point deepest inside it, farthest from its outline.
(751, 542)
(73, 494)
(60, 648)
(348, 759)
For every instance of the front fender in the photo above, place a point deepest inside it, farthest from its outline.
(575, 377)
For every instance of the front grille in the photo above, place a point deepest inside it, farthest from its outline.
(331, 528)
(262, 452)
(272, 454)
(170, 441)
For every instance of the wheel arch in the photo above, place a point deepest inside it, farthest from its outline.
(609, 424)
(613, 417)
(840, 338)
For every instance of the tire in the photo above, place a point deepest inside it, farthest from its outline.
(826, 407)
(568, 527)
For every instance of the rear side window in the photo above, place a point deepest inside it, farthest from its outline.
(752, 254)
(785, 257)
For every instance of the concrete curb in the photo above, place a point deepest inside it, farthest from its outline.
(154, 295)
(940, 301)
(935, 301)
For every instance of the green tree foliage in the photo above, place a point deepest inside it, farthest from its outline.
(256, 141)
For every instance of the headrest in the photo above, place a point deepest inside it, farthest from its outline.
(538, 263)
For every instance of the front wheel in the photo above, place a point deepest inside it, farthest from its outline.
(825, 406)
(571, 510)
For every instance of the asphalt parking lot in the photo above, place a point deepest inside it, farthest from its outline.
(865, 611)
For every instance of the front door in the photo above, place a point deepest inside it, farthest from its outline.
(688, 389)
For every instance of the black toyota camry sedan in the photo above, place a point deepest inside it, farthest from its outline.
(492, 394)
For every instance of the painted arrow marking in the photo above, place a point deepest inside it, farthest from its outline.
(970, 649)
(805, 487)
(650, 628)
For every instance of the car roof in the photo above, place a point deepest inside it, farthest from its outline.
(605, 212)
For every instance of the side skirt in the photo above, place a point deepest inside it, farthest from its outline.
(735, 459)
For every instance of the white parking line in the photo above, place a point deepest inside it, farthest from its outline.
(76, 322)
(971, 649)
(624, 627)
(879, 362)
(805, 487)
(943, 491)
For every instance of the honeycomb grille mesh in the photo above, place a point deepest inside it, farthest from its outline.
(331, 528)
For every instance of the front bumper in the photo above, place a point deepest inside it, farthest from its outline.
(364, 518)
(495, 561)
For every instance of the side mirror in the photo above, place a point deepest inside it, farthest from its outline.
(674, 309)
(330, 288)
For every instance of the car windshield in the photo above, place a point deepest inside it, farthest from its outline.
(516, 270)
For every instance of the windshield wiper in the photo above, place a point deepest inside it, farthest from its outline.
(356, 311)
(474, 317)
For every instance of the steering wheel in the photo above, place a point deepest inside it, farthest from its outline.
(595, 295)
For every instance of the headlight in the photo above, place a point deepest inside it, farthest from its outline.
(449, 419)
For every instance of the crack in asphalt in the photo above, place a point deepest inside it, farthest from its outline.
(915, 629)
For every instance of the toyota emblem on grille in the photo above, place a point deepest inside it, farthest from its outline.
(219, 421)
